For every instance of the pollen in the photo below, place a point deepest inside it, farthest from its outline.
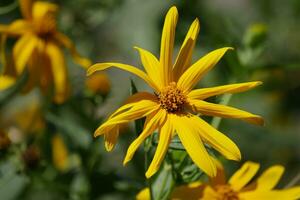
(172, 99)
(225, 192)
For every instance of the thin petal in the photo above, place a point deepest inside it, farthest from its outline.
(241, 177)
(126, 114)
(129, 68)
(152, 123)
(184, 57)
(286, 194)
(167, 44)
(26, 7)
(67, 43)
(6, 82)
(151, 65)
(165, 136)
(219, 110)
(59, 71)
(18, 27)
(269, 178)
(224, 89)
(110, 138)
(144, 194)
(190, 138)
(193, 74)
(22, 51)
(191, 191)
(216, 139)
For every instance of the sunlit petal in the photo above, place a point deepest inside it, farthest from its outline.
(184, 57)
(129, 68)
(165, 136)
(219, 110)
(167, 44)
(204, 93)
(153, 121)
(190, 138)
(241, 177)
(193, 74)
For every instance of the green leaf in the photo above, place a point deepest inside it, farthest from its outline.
(11, 182)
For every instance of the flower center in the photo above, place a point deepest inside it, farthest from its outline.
(225, 192)
(45, 26)
(171, 98)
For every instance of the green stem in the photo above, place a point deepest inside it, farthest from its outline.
(147, 148)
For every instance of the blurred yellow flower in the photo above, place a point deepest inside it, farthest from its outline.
(174, 105)
(98, 83)
(6, 82)
(60, 154)
(39, 47)
(237, 188)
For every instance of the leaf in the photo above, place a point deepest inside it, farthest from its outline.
(11, 183)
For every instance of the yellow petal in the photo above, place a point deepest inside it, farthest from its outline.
(269, 178)
(165, 136)
(59, 71)
(23, 50)
(219, 110)
(144, 194)
(110, 138)
(190, 138)
(129, 68)
(59, 153)
(167, 44)
(18, 27)
(126, 114)
(26, 8)
(193, 74)
(285, 194)
(216, 139)
(204, 93)
(6, 82)
(191, 191)
(153, 121)
(67, 43)
(184, 57)
(242, 176)
(151, 65)
(40, 9)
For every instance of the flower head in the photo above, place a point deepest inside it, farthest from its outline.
(173, 107)
(238, 187)
(38, 48)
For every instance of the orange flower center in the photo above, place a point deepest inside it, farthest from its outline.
(45, 26)
(225, 192)
(172, 99)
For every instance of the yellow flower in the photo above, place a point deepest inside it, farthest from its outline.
(238, 187)
(98, 83)
(60, 154)
(173, 107)
(39, 47)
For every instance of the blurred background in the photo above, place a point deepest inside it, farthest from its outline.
(48, 151)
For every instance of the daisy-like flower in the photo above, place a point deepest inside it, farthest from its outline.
(237, 188)
(173, 106)
(39, 48)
